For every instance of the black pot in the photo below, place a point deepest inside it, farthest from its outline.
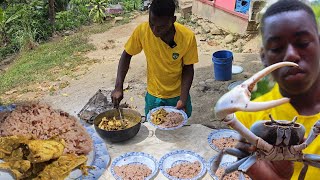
(119, 135)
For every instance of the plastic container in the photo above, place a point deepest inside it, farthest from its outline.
(222, 62)
(242, 6)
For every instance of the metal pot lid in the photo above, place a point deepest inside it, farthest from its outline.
(236, 69)
(234, 84)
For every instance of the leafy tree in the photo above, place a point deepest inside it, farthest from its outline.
(98, 10)
(5, 30)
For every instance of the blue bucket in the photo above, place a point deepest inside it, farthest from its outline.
(222, 62)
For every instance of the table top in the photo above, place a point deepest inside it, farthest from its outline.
(158, 142)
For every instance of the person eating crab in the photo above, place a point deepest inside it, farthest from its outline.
(291, 53)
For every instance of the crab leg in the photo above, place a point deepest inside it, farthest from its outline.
(236, 152)
(234, 167)
(313, 134)
(248, 163)
(238, 99)
(303, 172)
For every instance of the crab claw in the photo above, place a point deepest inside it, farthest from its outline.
(238, 99)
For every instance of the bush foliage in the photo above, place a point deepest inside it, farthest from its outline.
(25, 23)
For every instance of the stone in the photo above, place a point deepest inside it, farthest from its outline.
(67, 33)
(198, 30)
(202, 83)
(201, 88)
(118, 18)
(214, 30)
(239, 43)
(193, 18)
(209, 81)
(186, 11)
(228, 38)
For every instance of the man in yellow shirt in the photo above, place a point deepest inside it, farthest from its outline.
(289, 34)
(170, 50)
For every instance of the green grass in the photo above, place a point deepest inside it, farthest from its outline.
(52, 59)
(35, 66)
(316, 10)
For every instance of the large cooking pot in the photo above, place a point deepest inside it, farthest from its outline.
(119, 135)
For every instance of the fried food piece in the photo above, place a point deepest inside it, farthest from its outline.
(17, 154)
(45, 150)
(158, 117)
(17, 168)
(113, 124)
(10, 143)
(61, 168)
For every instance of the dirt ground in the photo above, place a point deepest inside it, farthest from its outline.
(109, 45)
(205, 90)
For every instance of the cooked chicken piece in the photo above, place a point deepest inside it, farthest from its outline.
(17, 168)
(17, 154)
(44, 150)
(10, 143)
(158, 117)
(61, 168)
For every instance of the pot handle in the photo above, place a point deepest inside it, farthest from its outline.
(143, 119)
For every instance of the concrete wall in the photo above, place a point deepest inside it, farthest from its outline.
(229, 21)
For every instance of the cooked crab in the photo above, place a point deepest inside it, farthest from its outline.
(274, 140)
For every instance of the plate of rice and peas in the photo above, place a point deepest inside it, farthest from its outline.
(223, 138)
(167, 118)
(39, 142)
(227, 160)
(135, 166)
(182, 165)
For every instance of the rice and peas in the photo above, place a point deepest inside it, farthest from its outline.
(185, 170)
(133, 171)
(166, 119)
(230, 176)
(43, 122)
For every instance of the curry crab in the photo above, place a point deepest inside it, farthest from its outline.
(274, 140)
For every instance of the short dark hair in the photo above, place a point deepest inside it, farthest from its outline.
(286, 6)
(163, 7)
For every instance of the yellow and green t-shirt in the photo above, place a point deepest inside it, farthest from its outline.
(164, 64)
(286, 112)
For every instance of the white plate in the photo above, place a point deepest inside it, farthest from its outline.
(234, 84)
(226, 161)
(98, 158)
(135, 158)
(236, 69)
(168, 109)
(176, 157)
(220, 133)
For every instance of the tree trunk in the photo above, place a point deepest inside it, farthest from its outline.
(51, 12)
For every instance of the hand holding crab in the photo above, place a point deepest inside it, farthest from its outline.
(274, 140)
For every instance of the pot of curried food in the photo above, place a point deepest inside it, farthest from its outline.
(116, 125)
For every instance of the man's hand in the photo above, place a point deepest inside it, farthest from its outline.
(264, 169)
(181, 105)
(273, 170)
(117, 96)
